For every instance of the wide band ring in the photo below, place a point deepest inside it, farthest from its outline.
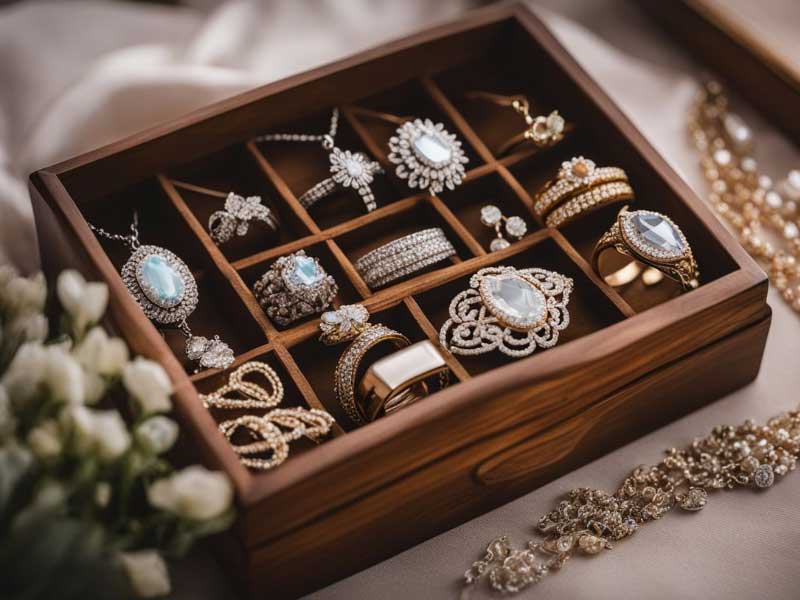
(348, 366)
(400, 379)
(575, 177)
(510, 310)
(593, 199)
(235, 218)
(650, 239)
(294, 287)
(403, 256)
(348, 170)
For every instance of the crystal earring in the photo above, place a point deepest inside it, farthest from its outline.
(515, 227)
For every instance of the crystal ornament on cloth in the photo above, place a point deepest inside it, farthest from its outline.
(586, 521)
(507, 309)
(427, 156)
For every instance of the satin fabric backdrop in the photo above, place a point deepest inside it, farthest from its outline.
(79, 75)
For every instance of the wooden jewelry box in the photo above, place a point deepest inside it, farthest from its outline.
(629, 361)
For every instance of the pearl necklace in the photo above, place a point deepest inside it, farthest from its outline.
(757, 209)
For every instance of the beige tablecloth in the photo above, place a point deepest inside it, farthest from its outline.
(79, 74)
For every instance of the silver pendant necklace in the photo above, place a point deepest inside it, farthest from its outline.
(348, 169)
(166, 291)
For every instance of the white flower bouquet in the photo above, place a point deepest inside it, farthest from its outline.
(89, 506)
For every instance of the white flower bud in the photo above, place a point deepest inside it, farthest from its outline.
(45, 440)
(28, 327)
(102, 494)
(94, 387)
(99, 353)
(25, 373)
(7, 273)
(64, 376)
(149, 385)
(147, 573)
(84, 302)
(100, 431)
(157, 434)
(194, 493)
(22, 295)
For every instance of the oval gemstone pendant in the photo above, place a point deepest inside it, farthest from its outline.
(161, 284)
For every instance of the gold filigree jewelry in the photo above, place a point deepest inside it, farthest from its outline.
(542, 130)
(271, 433)
(763, 214)
(507, 309)
(587, 521)
(351, 322)
(652, 239)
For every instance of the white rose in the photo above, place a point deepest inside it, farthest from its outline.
(99, 353)
(26, 372)
(194, 493)
(111, 435)
(147, 573)
(100, 431)
(102, 494)
(45, 440)
(28, 327)
(24, 295)
(149, 384)
(64, 376)
(157, 434)
(84, 302)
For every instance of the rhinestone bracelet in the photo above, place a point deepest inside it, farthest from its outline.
(587, 521)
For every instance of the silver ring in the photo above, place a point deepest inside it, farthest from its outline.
(235, 218)
(348, 170)
(403, 256)
(294, 287)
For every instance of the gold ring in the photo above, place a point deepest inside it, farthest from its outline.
(597, 197)
(650, 239)
(400, 379)
(543, 131)
(577, 178)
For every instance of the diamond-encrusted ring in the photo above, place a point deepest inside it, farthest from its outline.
(651, 239)
(235, 218)
(542, 130)
(515, 227)
(351, 322)
(294, 287)
(348, 170)
(403, 256)
(577, 180)
(508, 309)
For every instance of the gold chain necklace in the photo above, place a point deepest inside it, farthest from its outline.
(757, 209)
(587, 521)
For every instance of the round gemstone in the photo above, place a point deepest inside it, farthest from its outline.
(160, 281)
(514, 300)
(556, 123)
(354, 168)
(306, 270)
(499, 244)
(432, 148)
(516, 227)
(763, 476)
(490, 215)
(658, 233)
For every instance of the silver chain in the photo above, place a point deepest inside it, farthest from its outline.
(326, 139)
(131, 240)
